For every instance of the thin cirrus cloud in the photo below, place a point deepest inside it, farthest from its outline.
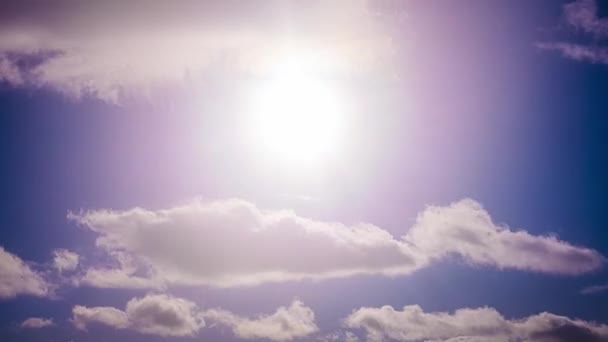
(594, 289)
(164, 315)
(103, 48)
(412, 323)
(17, 278)
(182, 245)
(582, 16)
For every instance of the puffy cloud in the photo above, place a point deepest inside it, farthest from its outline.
(156, 314)
(229, 243)
(465, 229)
(37, 322)
(285, 324)
(65, 260)
(481, 324)
(83, 316)
(16, 277)
(104, 48)
(232, 243)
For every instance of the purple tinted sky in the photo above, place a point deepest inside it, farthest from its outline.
(470, 108)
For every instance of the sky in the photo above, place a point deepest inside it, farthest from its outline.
(304, 170)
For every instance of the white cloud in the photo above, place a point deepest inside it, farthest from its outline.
(37, 322)
(156, 314)
(481, 324)
(83, 316)
(465, 229)
(16, 277)
(110, 48)
(65, 260)
(286, 324)
(164, 315)
(233, 243)
(230, 243)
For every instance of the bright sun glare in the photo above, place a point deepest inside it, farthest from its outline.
(297, 114)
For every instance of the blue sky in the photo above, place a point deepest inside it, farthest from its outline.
(344, 171)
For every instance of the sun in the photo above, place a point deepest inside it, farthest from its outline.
(297, 114)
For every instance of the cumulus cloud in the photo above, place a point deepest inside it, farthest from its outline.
(37, 322)
(156, 314)
(16, 277)
(582, 15)
(105, 48)
(481, 324)
(229, 243)
(233, 243)
(286, 324)
(65, 260)
(465, 229)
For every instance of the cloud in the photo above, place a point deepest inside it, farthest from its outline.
(233, 243)
(36, 323)
(111, 48)
(286, 324)
(65, 260)
(481, 324)
(16, 278)
(465, 229)
(83, 316)
(156, 314)
(579, 52)
(582, 15)
(339, 336)
(595, 289)
(165, 315)
(230, 243)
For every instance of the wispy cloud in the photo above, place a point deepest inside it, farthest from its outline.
(582, 16)
(37, 323)
(593, 289)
